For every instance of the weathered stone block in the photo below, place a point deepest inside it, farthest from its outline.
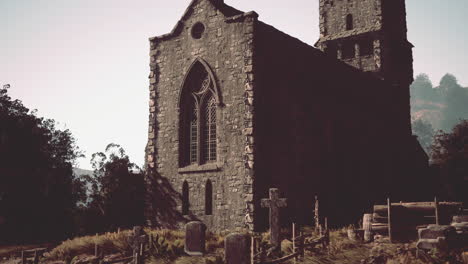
(436, 231)
(195, 238)
(461, 227)
(237, 248)
(439, 243)
(460, 218)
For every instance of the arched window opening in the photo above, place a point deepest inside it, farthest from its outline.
(208, 198)
(349, 22)
(185, 198)
(198, 128)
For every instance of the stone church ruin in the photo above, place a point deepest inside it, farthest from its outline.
(238, 107)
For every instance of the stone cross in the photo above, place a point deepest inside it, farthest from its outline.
(274, 203)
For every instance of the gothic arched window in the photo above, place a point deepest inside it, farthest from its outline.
(198, 127)
(208, 198)
(349, 22)
(185, 198)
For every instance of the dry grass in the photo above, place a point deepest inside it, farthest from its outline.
(6, 251)
(109, 243)
(341, 249)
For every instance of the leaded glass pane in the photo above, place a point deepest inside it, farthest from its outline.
(209, 144)
(194, 134)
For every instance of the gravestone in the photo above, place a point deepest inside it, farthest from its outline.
(237, 248)
(439, 237)
(274, 203)
(195, 238)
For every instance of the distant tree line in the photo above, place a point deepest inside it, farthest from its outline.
(40, 197)
(442, 106)
(440, 121)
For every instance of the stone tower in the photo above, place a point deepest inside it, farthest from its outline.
(371, 35)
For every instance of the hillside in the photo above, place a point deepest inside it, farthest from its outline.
(442, 106)
(80, 172)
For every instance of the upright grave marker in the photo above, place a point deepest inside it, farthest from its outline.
(238, 248)
(195, 238)
(274, 203)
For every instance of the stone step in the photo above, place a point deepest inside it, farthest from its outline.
(436, 231)
(427, 244)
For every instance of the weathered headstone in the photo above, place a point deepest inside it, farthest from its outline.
(195, 238)
(436, 237)
(435, 231)
(237, 248)
(274, 203)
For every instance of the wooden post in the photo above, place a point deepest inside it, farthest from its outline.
(95, 249)
(118, 230)
(294, 240)
(301, 245)
(23, 257)
(367, 225)
(389, 208)
(136, 258)
(36, 257)
(326, 223)
(436, 209)
(141, 249)
(252, 250)
(316, 213)
(262, 255)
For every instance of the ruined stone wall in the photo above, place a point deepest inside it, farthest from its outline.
(366, 13)
(226, 47)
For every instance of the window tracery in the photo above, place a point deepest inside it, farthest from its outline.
(198, 118)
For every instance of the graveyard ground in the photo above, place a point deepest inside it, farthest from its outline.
(169, 249)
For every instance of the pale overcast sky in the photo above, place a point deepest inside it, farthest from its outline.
(84, 63)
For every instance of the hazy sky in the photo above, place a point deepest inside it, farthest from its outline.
(84, 63)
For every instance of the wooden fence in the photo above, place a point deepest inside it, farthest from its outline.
(32, 255)
(300, 243)
(402, 220)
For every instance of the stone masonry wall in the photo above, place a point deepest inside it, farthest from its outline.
(227, 47)
(366, 13)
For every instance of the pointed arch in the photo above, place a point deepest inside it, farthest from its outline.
(197, 66)
(185, 198)
(198, 102)
(208, 198)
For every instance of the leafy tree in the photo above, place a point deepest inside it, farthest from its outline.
(36, 178)
(450, 154)
(425, 133)
(115, 191)
(422, 88)
(456, 99)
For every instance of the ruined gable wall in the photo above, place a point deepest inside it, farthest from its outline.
(226, 45)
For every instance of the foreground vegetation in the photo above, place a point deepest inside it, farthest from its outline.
(169, 249)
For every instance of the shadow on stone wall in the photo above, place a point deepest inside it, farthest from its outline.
(161, 203)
